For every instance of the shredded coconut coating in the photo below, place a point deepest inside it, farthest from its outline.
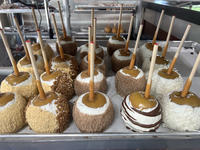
(146, 65)
(180, 117)
(161, 86)
(12, 118)
(64, 85)
(42, 121)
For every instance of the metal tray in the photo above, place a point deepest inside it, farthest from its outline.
(117, 131)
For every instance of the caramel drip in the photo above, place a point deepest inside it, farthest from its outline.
(58, 59)
(123, 53)
(25, 61)
(5, 98)
(97, 45)
(132, 72)
(85, 74)
(52, 76)
(36, 46)
(13, 79)
(150, 47)
(163, 73)
(117, 38)
(97, 61)
(99, 100)
(191, 99)
(50, 96)
(138, 101)
(67, 39)
(160, 60)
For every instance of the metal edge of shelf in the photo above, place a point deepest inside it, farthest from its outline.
(103, 11)
(101, 7)
(27, 10)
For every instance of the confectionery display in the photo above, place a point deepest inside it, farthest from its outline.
(47, 112)
(106, 90)
(48, 50)
(122, 57)
(93, 111)
(130, 78)
(181, 108)
(116, 42)
(141, 111)
(12, 106)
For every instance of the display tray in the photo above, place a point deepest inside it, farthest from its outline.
(118, 130)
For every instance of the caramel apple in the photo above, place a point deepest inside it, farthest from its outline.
(68, 65)
(48, 50)
(93, 116)
(25, 65)
(24, 84)
(162, 83)
(99, 64)
(59, 82)
(81, 83)
(161, 62)
(68, 45)
(115, 43)
(12, 106)
(145, 52)
(141, 114)
(120, 59)
(181, 113)
(48, 115)
(85, 49)
(129, 80)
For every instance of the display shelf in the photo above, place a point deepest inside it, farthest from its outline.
(3, 11)
(101, 7)
(103, 11)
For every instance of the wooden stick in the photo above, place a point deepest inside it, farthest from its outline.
(189, 80)
(129, 33)
(89, 47)
(169, 71)
(58, 39)
(158, 26)
(22, 39)
(136, 46)
(120, 18)
(92, 23)
(63, 27)
(43, 53)
(16, 71)
(35, 20)
(153, 60)
(94, 36)
(33, 62)
(91, 94)
(168, 37)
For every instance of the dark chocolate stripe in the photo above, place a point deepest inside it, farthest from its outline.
(153, 113)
